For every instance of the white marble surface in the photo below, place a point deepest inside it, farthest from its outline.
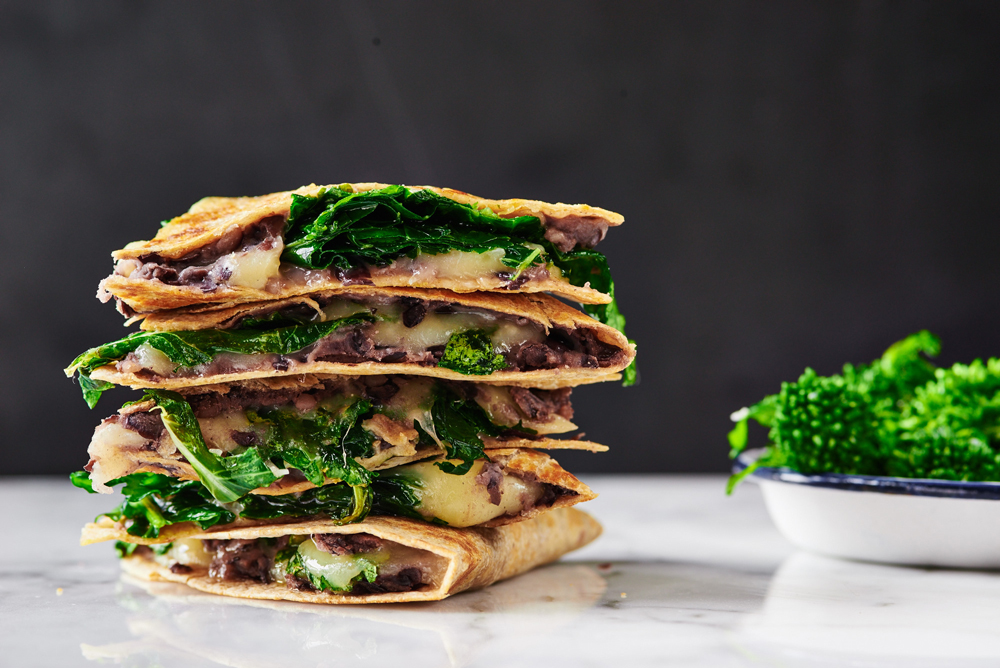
(683, 576)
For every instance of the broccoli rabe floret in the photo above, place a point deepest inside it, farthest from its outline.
(855, 422)
(950, 429)
(471, 352)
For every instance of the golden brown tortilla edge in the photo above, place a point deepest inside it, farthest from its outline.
(147, 296)
(477, 557)
(545, 379)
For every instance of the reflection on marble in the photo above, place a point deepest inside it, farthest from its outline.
(564, 609)
(823, 611)
(683, 576)
(173, 618)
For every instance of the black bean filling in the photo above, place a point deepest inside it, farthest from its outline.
(491, 477)
(242, 560)
(537, 404)
(349, 543)
(198, 269)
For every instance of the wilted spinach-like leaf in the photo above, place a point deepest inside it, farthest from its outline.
(227, 478)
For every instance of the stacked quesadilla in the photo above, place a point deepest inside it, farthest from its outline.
(350, 392)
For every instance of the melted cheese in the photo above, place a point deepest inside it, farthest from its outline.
(190, 552)
(413, 403)
(508, 334)
(338, 569)
(218, 430)
(459, 264)
(150, 358)
(254, 267)
(434, 330)
(461, 501)
(341, 308)
(109, 449)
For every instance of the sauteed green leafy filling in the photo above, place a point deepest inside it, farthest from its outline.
(341, 228)
(324, 443)
(154, 501)
(191, 348)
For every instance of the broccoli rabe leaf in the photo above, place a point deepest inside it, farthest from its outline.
(458, 424)
(154, 501)
(125, 549)
(339, 502)
(471, 353)
(340, 228)
(227, 478)
(322, 443)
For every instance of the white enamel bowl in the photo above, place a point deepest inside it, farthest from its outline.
(906, 521)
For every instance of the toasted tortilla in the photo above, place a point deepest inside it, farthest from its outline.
(212, 217)
(475, 557)
(542, 309)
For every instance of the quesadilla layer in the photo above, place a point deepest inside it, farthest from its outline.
(314, 431)
(293, 243)
(526, 340)
(381, 560)
(511, 486)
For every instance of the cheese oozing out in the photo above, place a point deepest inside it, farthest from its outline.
(339, 569)
(453, 264)
(460, 500)
(189, 552)
(423, 270)
(254, 267)
(113, 450)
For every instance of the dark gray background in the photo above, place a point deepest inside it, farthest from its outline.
(803, 183)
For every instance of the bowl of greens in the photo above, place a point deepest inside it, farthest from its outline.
(895, 461)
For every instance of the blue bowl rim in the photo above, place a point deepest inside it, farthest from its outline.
(871, 483)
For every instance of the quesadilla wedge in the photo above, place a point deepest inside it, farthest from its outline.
(525, 340)
(511, 486)
(246, 249)
(380, 560)
(280, 436)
